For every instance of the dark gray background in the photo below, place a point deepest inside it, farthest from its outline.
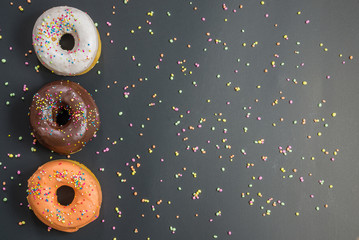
(333, 23)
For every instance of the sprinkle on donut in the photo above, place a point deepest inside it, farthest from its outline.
(43, 196)
(48, 31)
(64, 116)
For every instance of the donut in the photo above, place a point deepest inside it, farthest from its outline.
(43, 195)
(71, 26)
(63, 117)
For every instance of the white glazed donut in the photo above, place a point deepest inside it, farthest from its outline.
(49, 29)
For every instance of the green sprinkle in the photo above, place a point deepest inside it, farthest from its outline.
(120, 113)
(6, 83)
(4, 199)
(20, 138)
(168, 14)
(7, 103)
(3, 60)
(99, 72)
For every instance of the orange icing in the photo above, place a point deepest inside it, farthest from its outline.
(42, 187)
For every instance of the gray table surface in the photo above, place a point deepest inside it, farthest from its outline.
(200, 135)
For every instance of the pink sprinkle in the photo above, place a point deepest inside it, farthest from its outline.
(113, 228)
(10, 48)
(108, 24)
(103, 220)
(290, 101)
(267, 15)
(18, 172)
(131, 124)
(328, 77)
(203, 19)
(111, 41)
(162, 160)
(260, 178)
(229, 233)
(97, 153)
(311, 195)
(307, 21)
(26, 63)
(259, 118)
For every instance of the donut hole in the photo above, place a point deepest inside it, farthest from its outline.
(63, 115)
(67, 42)
(65, 195)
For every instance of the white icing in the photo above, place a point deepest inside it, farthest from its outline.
(46, 35)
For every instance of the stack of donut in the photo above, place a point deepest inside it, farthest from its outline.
(64, 118)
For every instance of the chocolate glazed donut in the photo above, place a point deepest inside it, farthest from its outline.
(64, 116)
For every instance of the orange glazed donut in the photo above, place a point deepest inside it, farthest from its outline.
(43, 195)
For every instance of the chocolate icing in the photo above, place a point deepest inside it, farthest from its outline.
(82, 125)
